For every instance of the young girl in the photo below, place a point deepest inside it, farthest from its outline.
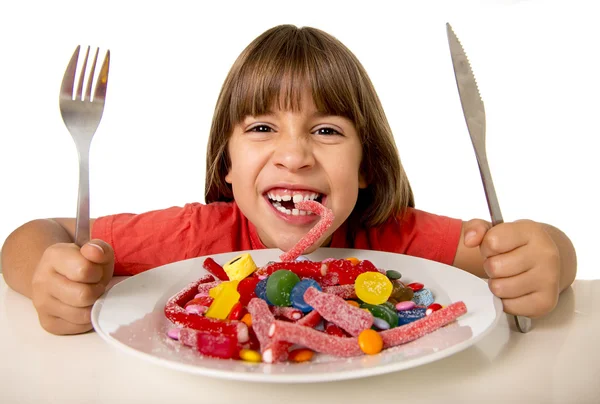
(297, 118)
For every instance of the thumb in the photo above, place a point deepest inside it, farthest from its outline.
(473, 232)
(97, 251)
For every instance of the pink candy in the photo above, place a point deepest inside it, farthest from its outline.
(343, 291)
(417, 329)
(291, 313)
(262, 318)
(314, 234)
(335, 309)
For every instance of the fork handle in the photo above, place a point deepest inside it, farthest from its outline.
(82, 221)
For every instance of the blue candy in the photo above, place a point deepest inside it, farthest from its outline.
(297, 294)
(423, 297)
(261, 290)
(408, 316)
(302, 258)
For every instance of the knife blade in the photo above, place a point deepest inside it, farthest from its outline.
(474, 112)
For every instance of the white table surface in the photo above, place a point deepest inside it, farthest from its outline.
(557, 362)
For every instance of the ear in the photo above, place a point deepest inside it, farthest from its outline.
(228, 177)
(362, 182)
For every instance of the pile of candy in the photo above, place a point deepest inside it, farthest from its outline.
(286, 311)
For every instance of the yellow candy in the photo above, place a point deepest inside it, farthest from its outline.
(224, 300)
(370, 342)
(373, 287)
(240, 267)
(214, 292)
(250, 356)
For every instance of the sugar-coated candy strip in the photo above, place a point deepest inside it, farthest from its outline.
(261, 320)
(291, 313)
(210, 344)
(175, 312)
(335, 309)
(417, 329)
(217, 270)
(277, 351)
(316, 340)
(343, 291)
(304, 269)
(314, 234)
(204, 288)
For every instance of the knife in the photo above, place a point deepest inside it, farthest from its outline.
(474, 112)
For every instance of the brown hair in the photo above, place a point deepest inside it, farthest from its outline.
(276, 67)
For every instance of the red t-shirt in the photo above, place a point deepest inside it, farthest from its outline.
(151, 239)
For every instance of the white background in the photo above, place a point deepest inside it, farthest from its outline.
(536, 63)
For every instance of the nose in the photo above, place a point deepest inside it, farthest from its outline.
(293, 153)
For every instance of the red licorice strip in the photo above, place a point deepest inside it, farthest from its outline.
(304, 269)
(343, 291)
(291, 313)
(217, 270)
(417, 329)
(277, 351)
(261, 320)
(314, 234)
(210, 344)
(316, 340)
(175, 312)
(335, 309)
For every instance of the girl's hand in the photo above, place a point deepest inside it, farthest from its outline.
(66, 283)
(522, 262)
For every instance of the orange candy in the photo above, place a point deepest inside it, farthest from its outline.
(353, 260)
(247, 319)
(370, 342)
(301, 355)
(353, 303)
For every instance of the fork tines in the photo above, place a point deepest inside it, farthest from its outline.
(85, 94)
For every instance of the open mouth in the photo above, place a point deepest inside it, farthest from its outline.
(285, 200)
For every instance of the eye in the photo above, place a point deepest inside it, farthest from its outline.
(260, 129)
(327, 131)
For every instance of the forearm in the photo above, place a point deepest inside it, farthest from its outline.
(568, 258)
(23, 249)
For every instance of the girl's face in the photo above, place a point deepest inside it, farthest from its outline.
(282, 156)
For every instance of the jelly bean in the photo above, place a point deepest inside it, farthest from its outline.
(382, 312)
(433, 307)
(391, 274)
(297, 294)
(250, 355)
(373, 287)
(247, 289)
(401, 293)
(173, 333)
(423, 297)
(380, 324)
(261, 290)
(354, 261)
(224, 301)
(280, 285)
(415, 286)
(240, 267)
(353, 303)
(313, 234)
(247, 319)
(407, 305)
(370, 342)
(303, 258)
(333, 329)
(301, 355)
(408, 316)
(236, 312)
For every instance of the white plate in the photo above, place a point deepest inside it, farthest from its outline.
(130, 317)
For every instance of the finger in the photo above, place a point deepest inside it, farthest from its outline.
(508, 264)
(67, 260)
(74, 315)
(531, 305)
(74, 293)
(503, 238)
(59, 326)
(474, 231)
(514, 286)
(97, 251)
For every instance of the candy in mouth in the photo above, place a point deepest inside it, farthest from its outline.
(286, 201)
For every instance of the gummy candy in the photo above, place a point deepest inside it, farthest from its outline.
(297, 294)
(373, 287)
(279, 287)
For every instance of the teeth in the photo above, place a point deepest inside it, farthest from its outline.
(295, 212)
(298, 198)
(286, 198)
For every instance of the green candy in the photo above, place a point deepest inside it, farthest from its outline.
(279, 287)
(393, 275)
(383, 312)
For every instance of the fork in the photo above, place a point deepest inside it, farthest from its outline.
(81, 113)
